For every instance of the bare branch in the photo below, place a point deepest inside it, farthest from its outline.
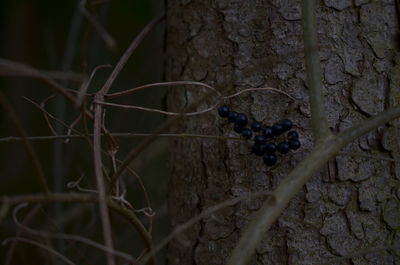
(105, 220)
(314, 73)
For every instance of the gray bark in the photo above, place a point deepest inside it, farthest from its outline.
(353, 203)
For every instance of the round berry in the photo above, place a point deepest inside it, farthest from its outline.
(232, 116)
(269, 159)
(259, 139)
(293, 135)
(223, 111)
(294, 144)
(277, 129)
(256, 126)
(241, 119)
(258, 150)
(247, 133)
(283, 147)
(270, 148)
(267, 132)
(286, 124)
(237, 128)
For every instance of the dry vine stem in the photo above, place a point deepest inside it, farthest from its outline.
(82, 197)
(66, 236)
(99, 97)
(39, 245)
(165, 125)
(326, 147)
(220, 97)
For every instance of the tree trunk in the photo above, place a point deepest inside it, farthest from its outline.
(352, 204)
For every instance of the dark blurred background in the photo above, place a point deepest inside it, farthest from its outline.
(55, 36)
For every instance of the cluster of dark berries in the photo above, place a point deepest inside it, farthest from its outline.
(263, 144)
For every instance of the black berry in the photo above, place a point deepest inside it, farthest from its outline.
(293, 135)
(283, 147)
(267, 132)
(259, 139)
(286, 125)
(237, 128)
(241, 119)
(247, 133)
(256, 126)
(232, 116)
(294, 144)
(259, 149)
(270, 148)
(223, 111)
(269, 159)
(277, 129)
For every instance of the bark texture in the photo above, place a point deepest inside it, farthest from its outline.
(353, 204)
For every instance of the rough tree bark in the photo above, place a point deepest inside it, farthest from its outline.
(353, 203)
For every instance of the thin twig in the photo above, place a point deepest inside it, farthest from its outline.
(314, 74)
(260, 89)
(66, 236)
(85, 85)
(146, 196)
(132, 90)
(81, 197)
(99, 97)
(37, 244)
(293, 183)
(73, 124)
(42, 108)
(207, 212)
(31, 151)
(219, 99)
(121, 63)
(121, 135)
(159, 111)
(108, 39)
(26, 221)
(63, 76)
(162, 127)
(9, 68)
(32, 72)
(48, 114)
